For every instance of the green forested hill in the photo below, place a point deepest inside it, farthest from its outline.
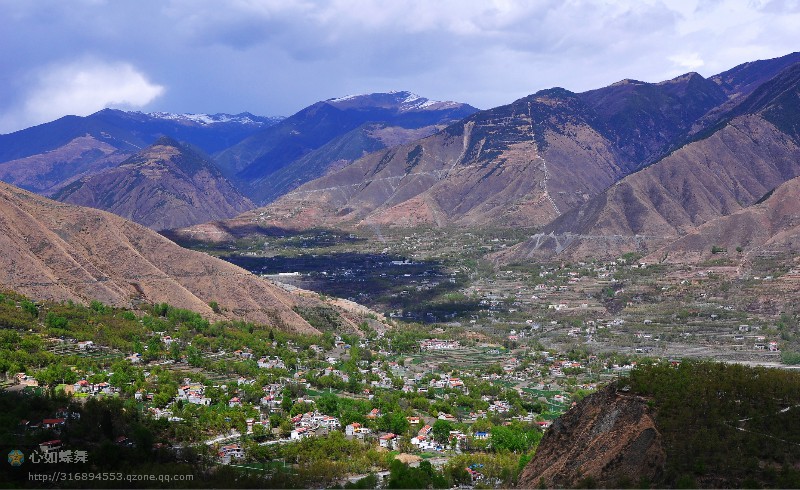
(725, 425)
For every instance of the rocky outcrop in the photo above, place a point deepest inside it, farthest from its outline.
(610, 439)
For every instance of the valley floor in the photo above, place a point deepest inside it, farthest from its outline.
(456, 369)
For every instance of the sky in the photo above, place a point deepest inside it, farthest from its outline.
(275, 57)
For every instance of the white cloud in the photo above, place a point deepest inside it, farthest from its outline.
(687, 61)
(277, 56)
(81, 88)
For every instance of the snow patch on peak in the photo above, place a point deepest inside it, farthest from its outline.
(346, 98)
(412, 98)
(429, 103)
(415, 102)
(401, 100)
(207, 119)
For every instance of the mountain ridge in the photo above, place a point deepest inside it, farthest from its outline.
(128, 131)
(253, 162)
(56, 251)
(166, 185)
(770, 226)
(722, 170)
(522, 164)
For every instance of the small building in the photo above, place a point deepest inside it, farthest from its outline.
(388, 441)
(352, 429)
(300, 433)
(81, 386)
(53, 423)
(50, 446)
(425, 431)
(230, 451)
(329, 422)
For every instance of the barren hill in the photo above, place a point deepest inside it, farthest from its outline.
(47, 172)
(57, 251)
(770, 226)
(166, 185)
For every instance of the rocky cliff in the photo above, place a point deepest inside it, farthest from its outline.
(609, 439)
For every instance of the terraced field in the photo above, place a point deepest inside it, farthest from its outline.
(466, 358)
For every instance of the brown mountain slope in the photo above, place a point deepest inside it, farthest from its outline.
(325, 135)
(56, 251)
(730, 168)
(45, 173)
(741, 81)
(700, 182)
(166, 185)
(609, 439)
(772, 225)
(547, 155)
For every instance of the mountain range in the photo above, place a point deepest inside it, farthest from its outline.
(45, 158)
(132, 131)
(331, 134)
(263, 157)
(749, 151)
(632, 166)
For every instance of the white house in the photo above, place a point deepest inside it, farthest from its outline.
(329, 422)
(300, 433)
(389, 441)
(231, 451)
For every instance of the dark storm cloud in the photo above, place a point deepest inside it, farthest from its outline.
(277, 56)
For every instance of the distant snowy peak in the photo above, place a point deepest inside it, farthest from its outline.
(245, 118)
(403, 101)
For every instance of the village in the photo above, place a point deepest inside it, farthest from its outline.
(432, 398)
